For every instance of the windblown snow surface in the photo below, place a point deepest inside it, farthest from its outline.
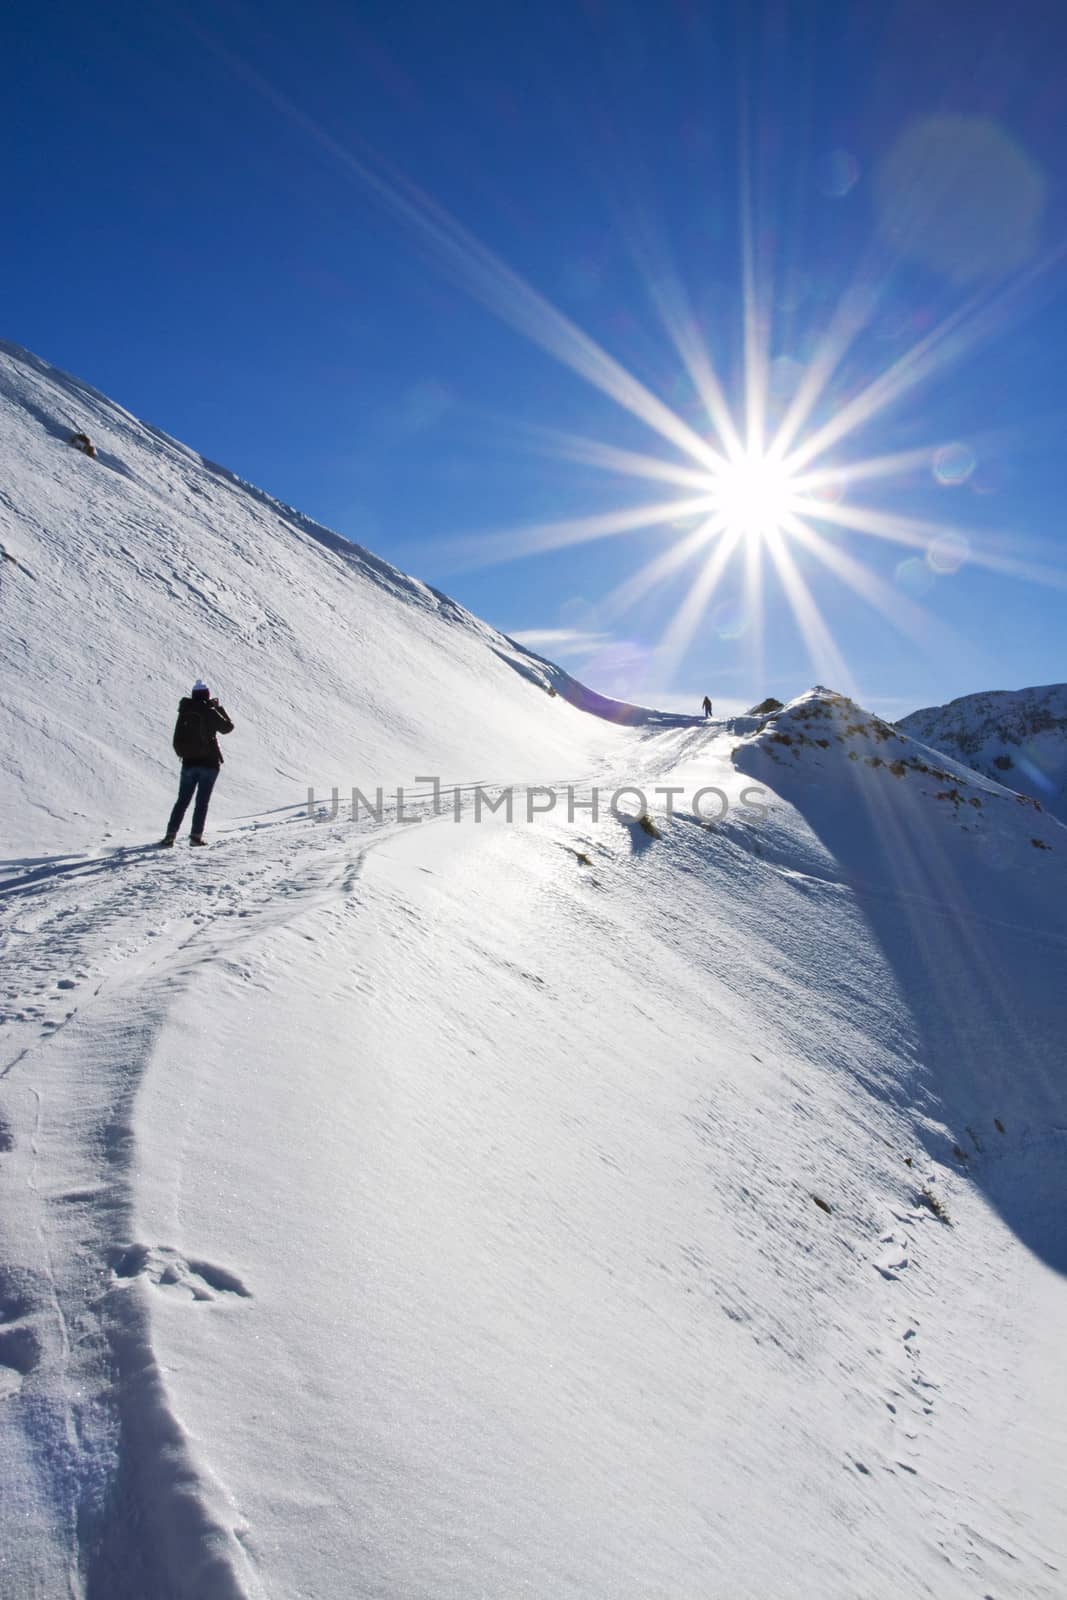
(1017, 736)
(452, 1208)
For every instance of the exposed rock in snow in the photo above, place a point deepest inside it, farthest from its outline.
(1017, 736)
(821, 731)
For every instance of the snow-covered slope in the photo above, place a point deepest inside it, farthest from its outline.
(940, 853)
(553, 1207)
(1018, 736)
(134, 573)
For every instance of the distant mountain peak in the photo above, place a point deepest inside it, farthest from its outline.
(1016, 736)
(824, 741)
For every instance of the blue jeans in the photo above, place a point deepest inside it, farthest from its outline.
(202, 780)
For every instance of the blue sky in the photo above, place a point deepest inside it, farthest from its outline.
(284, 235)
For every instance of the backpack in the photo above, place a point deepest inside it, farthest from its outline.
(192, 738)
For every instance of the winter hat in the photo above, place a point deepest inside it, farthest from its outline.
(200, 690)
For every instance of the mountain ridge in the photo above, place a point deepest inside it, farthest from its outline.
(1016, 736)
(191, 573)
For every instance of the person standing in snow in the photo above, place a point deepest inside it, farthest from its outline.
(200, 720)
(707, 706)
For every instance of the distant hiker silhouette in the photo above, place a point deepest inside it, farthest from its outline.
(707, 706)
(200, 720)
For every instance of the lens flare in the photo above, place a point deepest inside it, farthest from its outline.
(830, 490)
(1033, 768)
(948, 554)
(955, 194)
(959, 195)
(953, 464)
(915, 577)
(840, 173)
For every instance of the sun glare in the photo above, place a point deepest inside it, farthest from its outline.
(753, 496)
(756, 489)
(756, 492)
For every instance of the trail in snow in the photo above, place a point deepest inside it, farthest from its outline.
(557, 1209)
(98, 949)
(109, 1493)
(414, 1017)
(521, 1214)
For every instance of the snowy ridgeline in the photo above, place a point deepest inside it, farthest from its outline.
(1017, 736)
(131, 573)
(577, 1209)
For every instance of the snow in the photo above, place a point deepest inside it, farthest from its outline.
(1017, 736)
(151, 568)
(466, 1208)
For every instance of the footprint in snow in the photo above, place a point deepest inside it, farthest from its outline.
(20, 1351)
(20, 1346)
(894, 1258)
(199, 1280)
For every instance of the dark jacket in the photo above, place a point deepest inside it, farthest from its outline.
(195, 732)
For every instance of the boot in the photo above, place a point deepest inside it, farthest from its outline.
(167, 843)
(197, 839)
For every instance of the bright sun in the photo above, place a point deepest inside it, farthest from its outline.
(747, 495)
(753, 496)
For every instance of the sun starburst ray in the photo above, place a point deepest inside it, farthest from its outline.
(683, 625)
(484, 274)
(749, 490)
(753, 590)
(825, 656)
(846, 324)
(911, 618)
(951, 339)
(910, 531)
(661, 567)
(672, 304)
(515, 301)
(919, 533)
(888, 466)
(753, 329)
(493, 549)
(677, 317)
(1028, 571)
(610, 458)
